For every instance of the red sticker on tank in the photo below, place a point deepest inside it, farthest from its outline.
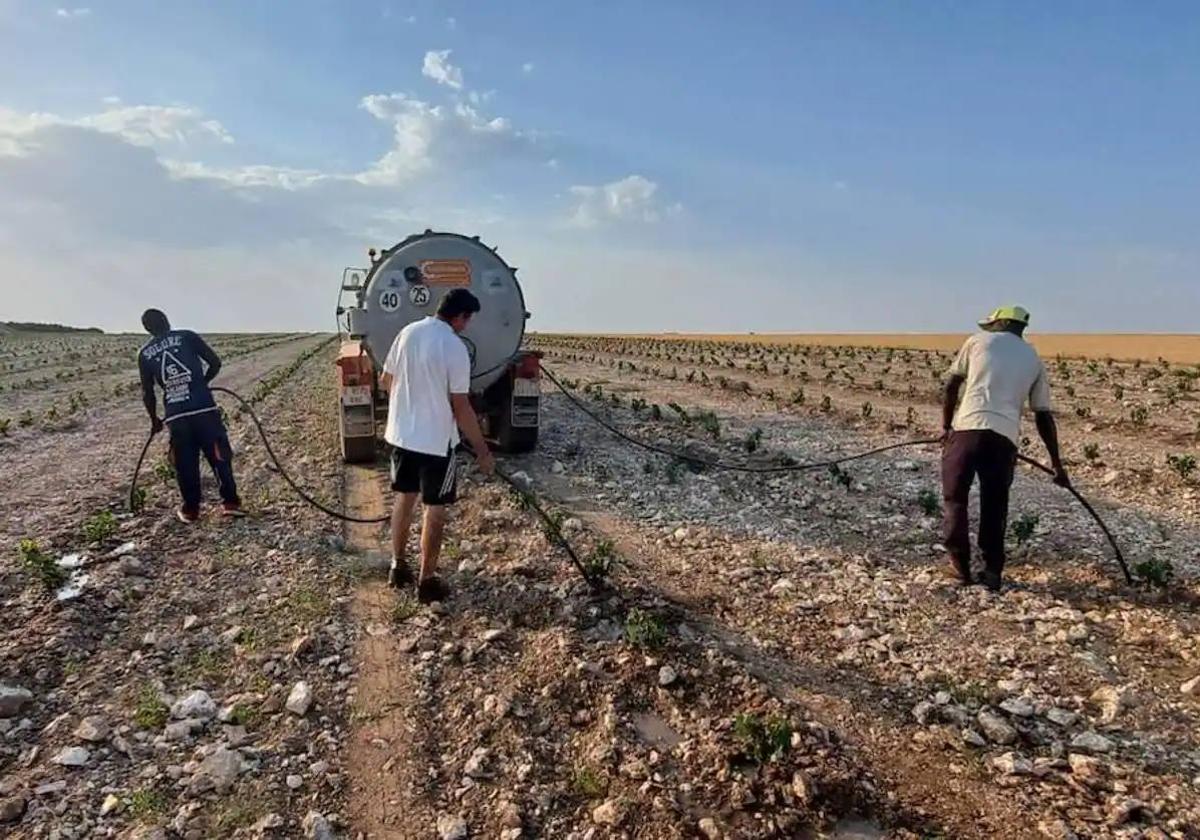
(446, 272)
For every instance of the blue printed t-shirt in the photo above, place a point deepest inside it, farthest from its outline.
(175, 362)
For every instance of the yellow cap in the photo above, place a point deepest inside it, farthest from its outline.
(1007, 313)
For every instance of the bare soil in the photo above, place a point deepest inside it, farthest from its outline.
(767, 656)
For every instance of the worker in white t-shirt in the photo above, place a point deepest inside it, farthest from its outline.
(995, 372)
(428, 379)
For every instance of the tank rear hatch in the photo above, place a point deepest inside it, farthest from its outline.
(406, 283)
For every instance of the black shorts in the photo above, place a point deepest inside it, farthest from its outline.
(436, 477)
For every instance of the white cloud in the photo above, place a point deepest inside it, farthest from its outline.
(451, 23)
(527, 67)
(148, 125)
(631, 199)
(259, 175)
(111, 100)
(437, 66)
(423, 132)
(141, 125)
(72, 14)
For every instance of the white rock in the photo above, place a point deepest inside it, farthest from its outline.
(851, 634)
(93, 728)
(667, 676)
(922, 712)
(316, 827)
(1091, 742)
(491, 635)
(1061, 717)
(181, 730)
(294, 782)
(197, 705)
(970, 736)
(221, 769)
(111, 803)
(995, 728)
(72, 757)
(300, 699)
(1191, 687)
(802, 787)
(451, 827)
(608, 813)
(190, 622)
(1018, 707)
(476, 766)
(1010, 764)
(709, 828)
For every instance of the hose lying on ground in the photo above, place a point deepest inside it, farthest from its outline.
(526, 496)
(552, 525)
(813, 465)
(336, 514)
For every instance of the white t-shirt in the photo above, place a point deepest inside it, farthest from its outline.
(428, 362)
(1001, 372)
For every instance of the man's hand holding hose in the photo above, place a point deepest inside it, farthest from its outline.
(468, 424)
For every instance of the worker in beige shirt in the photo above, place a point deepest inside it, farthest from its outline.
(995, 373)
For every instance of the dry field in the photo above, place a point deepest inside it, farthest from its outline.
(1184, 349)
(771, 656)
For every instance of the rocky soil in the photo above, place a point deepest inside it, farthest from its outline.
(188, 681)
(767, 656)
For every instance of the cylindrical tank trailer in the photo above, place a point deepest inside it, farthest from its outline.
(404, 284)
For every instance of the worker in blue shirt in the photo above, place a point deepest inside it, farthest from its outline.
(179, 362)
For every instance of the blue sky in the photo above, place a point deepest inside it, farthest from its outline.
(650, 166)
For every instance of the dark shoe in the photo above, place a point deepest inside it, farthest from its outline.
(991, 580)
(432, 589)
(186, 516)
(961, 571)
(232, 509)
(400, 575)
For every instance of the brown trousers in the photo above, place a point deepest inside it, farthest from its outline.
(993, 458)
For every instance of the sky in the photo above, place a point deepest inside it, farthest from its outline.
(649, 166)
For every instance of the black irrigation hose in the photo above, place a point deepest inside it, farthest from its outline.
(726, 465)
(751, 468)
(553, 529)
(133, 505)
(1088, 507)
(527, 497)
(336, 514)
